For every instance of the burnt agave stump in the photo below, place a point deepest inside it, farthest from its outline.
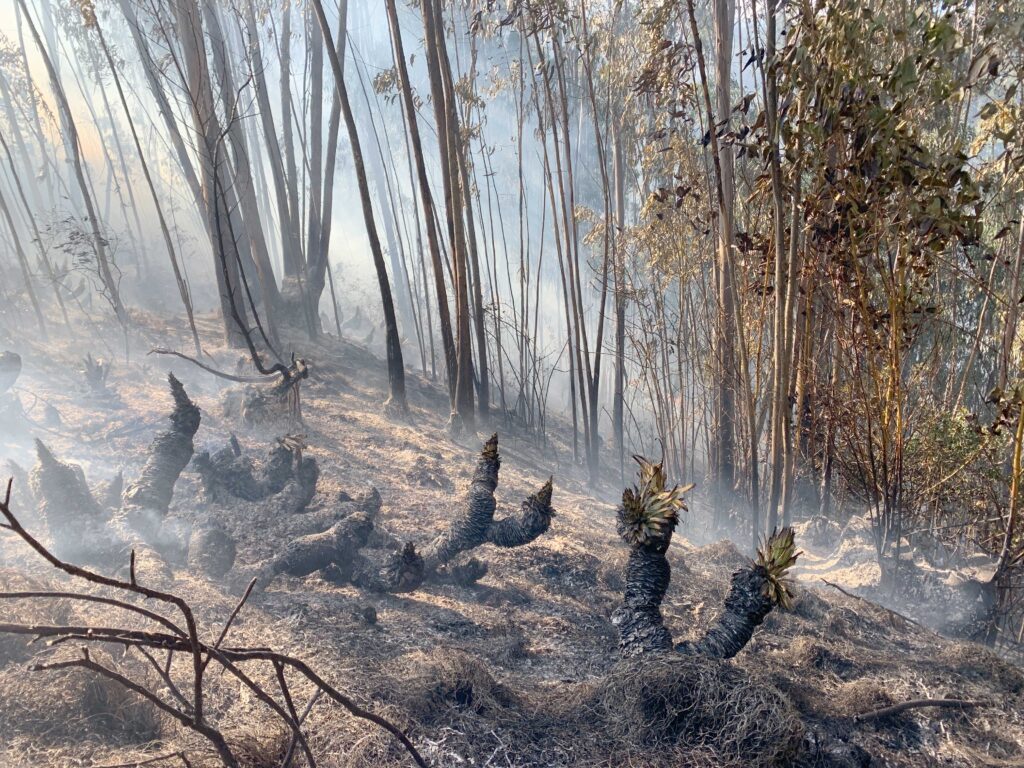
(285, 473)
(646, 520)
(342, 552)
(95, 526)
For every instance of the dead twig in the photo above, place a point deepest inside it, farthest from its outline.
(185, 707)
(895, 709)
(890, 611)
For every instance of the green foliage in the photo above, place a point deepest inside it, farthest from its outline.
(777, 555)
(650, 511)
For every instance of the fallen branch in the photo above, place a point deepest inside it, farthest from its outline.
(895, 709)
(209, 369)
(187, 708)
(890, 611)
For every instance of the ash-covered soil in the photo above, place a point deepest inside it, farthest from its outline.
(520, 669)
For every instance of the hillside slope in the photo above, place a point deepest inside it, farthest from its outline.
(520, 669)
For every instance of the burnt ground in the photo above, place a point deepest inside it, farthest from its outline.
(518, 670)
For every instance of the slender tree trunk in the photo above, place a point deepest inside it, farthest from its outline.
(149, 67)
(426, 198)
(290, 246)
(725, 404)
(44, 259)
(447, 129)
(212, 163)
(620, 300)
(293, 264)
(26, 272)
(243, 186)
(780, 360)
(1012, 311)
(396, 367)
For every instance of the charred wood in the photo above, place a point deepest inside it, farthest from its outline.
(647, 518)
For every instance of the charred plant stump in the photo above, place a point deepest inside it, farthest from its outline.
(147, 500)
(63, 494)
(754, 591)
(82, 527)
(95, 372)
(278, 403)
(76, 521)
(477, 526)
(211, 550)
(338, 554)
(646, 520)
(228, 473)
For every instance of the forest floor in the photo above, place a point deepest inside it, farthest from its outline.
(513, 671)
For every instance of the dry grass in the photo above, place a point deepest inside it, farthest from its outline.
(69, 707)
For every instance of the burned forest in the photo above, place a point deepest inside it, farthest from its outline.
(511, 383)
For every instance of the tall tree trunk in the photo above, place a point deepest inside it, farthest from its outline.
(780, 360)
(243, 186)
(1012, 311)
(179, 279)
(26, 273)
(37, 237)
(315, 143)
(725, 403)
(290, 245)
(151, 70)
(426, 198)
(396, 367)
(447, 130)
(620, 299)
(319, 267)
(212, 165)
(293, 261)
(724, 19)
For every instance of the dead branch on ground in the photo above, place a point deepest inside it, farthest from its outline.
(176, 637)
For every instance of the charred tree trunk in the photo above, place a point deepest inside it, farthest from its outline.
(339, 552)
